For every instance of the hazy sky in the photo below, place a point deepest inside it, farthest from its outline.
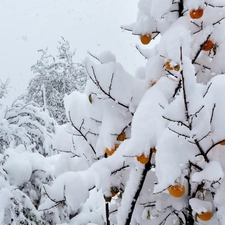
(89, 25)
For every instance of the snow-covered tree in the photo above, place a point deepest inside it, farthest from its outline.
(55, 77)
(28, 125)
(3, 88)
(149, 148)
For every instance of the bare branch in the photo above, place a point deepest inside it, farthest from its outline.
(95, 57)
(204, 136)
(196, 166)
(207, 90)
(53, 200)
(202, 151)
(213, 145)
(80, 132)
(176, 121)
(179, 134)
(116, 171)
(107, 213)
(109, 95)
(214, 106)
(177, 88)
(139, 50)
(110, 85)
(218, 21)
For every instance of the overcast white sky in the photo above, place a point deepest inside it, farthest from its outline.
(89, 25)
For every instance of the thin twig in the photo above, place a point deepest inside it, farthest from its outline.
(79, 131)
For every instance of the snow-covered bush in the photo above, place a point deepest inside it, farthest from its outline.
(55, 77)
(28, 125)
(156, 140)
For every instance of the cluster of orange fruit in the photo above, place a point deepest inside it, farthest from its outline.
(178, 191)
(169, 67)
(194, 14)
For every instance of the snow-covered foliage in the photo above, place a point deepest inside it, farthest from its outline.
(170, 118)
(28, 125)
(55, 77)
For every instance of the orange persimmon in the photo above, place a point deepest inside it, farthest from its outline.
(177, 190)
(145, 39)
(208, 45)
(168, 66)
(205, 216)
(111, 151)
(176, 68)
(143, 159)
(121, 137)
(196, 14)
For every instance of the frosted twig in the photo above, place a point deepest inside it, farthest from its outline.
(214, 106)
(175, 121)
(110, 85)
(196, 166)
(179, 134)
(213, 145)
(218, 21)
(96, 82)
(177, 88)
(139, 50)
(204, 136)
(53, 200)
(80, 132)
(214, 6)
(201, 151)
(95, 57)
(207, 90)
(116, 171)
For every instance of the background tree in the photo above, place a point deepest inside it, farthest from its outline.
(54, 78)
(3, 88)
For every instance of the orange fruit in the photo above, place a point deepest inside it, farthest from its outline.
(177, 190)
(111, 151)
(145, 39)
(196, 14)
(168, 66)
(205, 216)
(121, 137)
(143, 159)
(176, 68)
(208, 45)
(222, 142)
